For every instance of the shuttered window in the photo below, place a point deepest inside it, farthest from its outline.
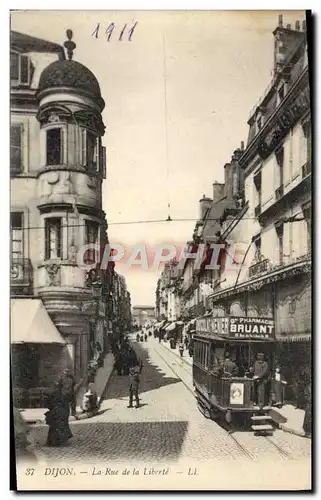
(16, 149)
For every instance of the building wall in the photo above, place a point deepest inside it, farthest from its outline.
(293, 307)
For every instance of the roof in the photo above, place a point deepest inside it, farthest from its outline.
(27, 43)
(70, 74)
(31, 324)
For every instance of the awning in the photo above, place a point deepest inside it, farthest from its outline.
(170, 327)
(31, 324)
(179, 323)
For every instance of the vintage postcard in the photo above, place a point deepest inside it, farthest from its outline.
(160, 171)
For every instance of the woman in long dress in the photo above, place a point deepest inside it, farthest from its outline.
(57, 418)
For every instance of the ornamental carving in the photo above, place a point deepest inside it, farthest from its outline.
(52, 177)
(53, 274)
(53, 114)
(90, 119)
(92, 278)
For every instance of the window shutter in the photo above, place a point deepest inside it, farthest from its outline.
(24, 70)
(103, 161)
(16, 149)
(97, 155)
(84, 148)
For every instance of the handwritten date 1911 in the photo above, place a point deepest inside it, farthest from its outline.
(123, 33)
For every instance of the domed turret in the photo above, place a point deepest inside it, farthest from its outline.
(69, 75)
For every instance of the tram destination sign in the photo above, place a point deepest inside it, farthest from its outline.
(251, 328)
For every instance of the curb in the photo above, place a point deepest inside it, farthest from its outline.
(284, 428)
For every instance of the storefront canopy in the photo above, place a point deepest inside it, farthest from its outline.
(170, 327)
(31, 324)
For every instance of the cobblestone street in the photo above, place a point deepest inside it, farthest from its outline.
(167, 427)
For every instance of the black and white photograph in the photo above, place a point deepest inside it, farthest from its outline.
(160, 250)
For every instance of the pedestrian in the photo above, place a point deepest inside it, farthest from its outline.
(67, 384)
(145, 337)
(57, 417)
(278, 385)
(307, 422)
(90, 400)
(181, 349)
(261, 374)
(134, 380)
(186, 341)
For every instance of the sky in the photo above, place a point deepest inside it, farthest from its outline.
(178, 97)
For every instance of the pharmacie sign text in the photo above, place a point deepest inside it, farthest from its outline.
(251, 328)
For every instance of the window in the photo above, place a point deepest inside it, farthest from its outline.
(17, 235)
(259, 124)
(307, 216)
(257, 243)
(280, 161)
(53, 239)
(307, 134)
(90, 151)
(258, 182)
(91, 238)
(20, 68)
(54, 146)
(280, 232)
(281, 93)
(15, 149)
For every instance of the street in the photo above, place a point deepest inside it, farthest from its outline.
(167, 428)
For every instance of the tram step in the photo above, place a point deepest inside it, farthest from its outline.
(266, 427)
(261, 417)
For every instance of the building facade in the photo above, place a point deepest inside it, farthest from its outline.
(272, 231)
(57, 167)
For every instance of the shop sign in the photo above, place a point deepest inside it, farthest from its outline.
(219, 326)
(252, 328)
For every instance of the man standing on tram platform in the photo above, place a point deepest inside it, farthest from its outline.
(261, 374)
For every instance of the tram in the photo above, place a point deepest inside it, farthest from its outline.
(227, 354)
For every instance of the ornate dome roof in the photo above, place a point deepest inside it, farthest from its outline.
(64, 73)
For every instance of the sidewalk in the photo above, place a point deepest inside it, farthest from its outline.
(289, 419)
(36, 415)
(186, 357)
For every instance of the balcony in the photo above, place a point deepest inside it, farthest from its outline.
(257, 210)
(279, 192)
(21, 277)
(306, 169)
(259, 268)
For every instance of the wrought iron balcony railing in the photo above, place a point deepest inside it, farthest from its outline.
(21, 276)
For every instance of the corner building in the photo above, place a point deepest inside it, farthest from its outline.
(57, 168)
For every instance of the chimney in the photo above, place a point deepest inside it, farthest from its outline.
(297, 25)
(205, 203)
(218, 191)
(288, 26)
(280, 21)
(304, 26)
(242, 145)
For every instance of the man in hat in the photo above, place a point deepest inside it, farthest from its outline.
(229, 368)
(261, 374)
(134, 379)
